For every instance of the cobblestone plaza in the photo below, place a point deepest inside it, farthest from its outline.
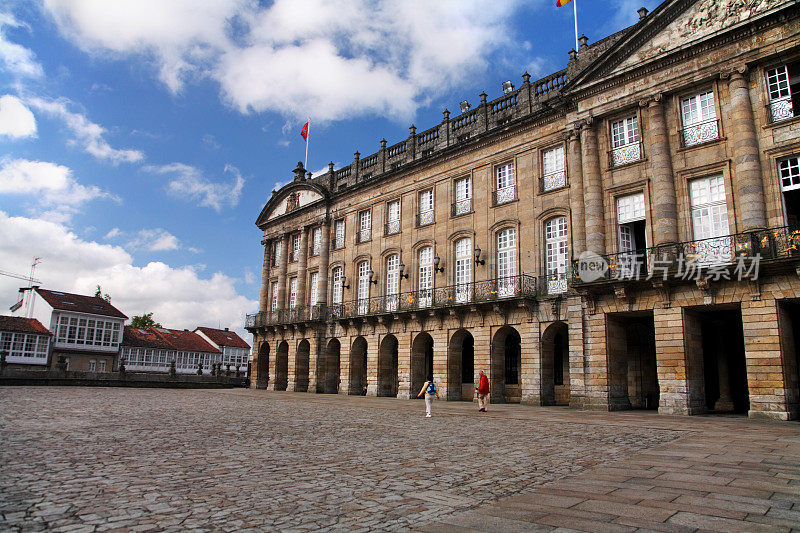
(95, 459)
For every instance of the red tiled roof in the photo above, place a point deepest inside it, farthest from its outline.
(143, 338)
(79, 303)
(224, 337)
(184, 340)
(20, 324)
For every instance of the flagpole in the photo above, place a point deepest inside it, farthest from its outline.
(575, 12)
(308, 134)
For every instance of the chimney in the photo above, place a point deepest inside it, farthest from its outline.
(642, 12)
(584, 40)
(226, 329)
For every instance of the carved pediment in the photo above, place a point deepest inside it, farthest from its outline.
(294, 200)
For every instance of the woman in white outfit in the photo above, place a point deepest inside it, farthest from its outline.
(430, 392)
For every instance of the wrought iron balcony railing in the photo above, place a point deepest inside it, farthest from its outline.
(781, 109)
(461, 207)
(623, 155)
(424, 218)
(553, 181)
(681, 260)
(391, 227)
(699, 133)
(504, 195)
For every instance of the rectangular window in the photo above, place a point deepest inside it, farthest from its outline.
(392, 281)
(336, 298)
(363, 287)
(393, 217)
(553, 173)
(463, 270)
(699, 119)
(316, 241)
(364, 226)
(625, 142)
(505, 183)
(338, 241)
(783, 87)
(710, 221)
(556, 254)
(276, 253)
(631, 234)
(292, 293)
(102, 365)
(313, 289)
(274, 291)
(425, 276)
(425, 215)
(92, 365)
(506, 262)
(463, 203)
(789, 174)
(295, 247)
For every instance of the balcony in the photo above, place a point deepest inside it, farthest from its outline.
(392, 227)
(424, 218)
(781, 109)
(700, 133)
(512, 288)
(553, 181)
(461, 207)
(727, 257)
(504, 195)
(625, 154)
(365, 235)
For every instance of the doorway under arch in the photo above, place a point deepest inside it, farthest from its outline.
(506, 366)
(461, 366)
(282, 366)
(301, 366)
(387, 367)
(421, 361)
(330, 367)
(262, 366)
(358, 367)
(555, 365)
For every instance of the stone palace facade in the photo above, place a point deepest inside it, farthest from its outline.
(620, 234)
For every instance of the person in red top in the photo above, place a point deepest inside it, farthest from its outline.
(483, 391)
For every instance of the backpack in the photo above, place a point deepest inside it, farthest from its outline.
(431, 388)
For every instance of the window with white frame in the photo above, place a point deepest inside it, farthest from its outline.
(709, 221)
(313, 287)
(393, 217)
(276, 253)
(556, 254)
(783, 88)
(101, 365)
(316, 241)
(292, 293)
(463, 203)
(83, 331)
(631, 234)
(463, 270)
(295, 247)
(625, 141)
(554, 175)
(274, 290)
(26, 348)
(789, 173)
(505, 183)
(337, 286)
(425, 276)
(392, 281)
(92, 365)
(364, 226)
(699, 118)
(338, 240)
(506, 262)
(425, 216)
(363, 287)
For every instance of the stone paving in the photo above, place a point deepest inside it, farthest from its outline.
(97, 459)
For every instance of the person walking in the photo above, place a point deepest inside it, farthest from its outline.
(483, 391)
(430, 392)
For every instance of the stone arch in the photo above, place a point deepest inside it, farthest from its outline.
(358, 367)
(421, 361)
(460, 366)
(262, 366)
(301, 366)
(387, 367)
(554, 369)
(506, 365)
(282, 366)
(331, 366)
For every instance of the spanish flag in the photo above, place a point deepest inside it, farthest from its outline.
(560, 3)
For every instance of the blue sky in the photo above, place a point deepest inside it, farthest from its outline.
(139, 139)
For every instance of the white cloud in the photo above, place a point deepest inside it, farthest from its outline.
(325, 58)
(88, 134)
(49, 185)
(16, 59)
(249, 277)
(178, 296)
(16, 120)
(154, 240)
(115, 232)
(188, 182)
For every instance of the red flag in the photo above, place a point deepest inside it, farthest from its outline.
(304, 132)
(560, 3)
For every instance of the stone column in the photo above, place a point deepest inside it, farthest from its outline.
(592, 190)
(302, 264)
(285, 242)
(747, 176)
(665, 202)
(263, 297)
(575, 166)
(324, 262)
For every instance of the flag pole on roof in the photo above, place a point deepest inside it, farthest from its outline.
(304, 135)
(560, 3)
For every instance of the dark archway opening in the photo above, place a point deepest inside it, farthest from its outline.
(387, 367)
(358, 367)
(282, 366)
